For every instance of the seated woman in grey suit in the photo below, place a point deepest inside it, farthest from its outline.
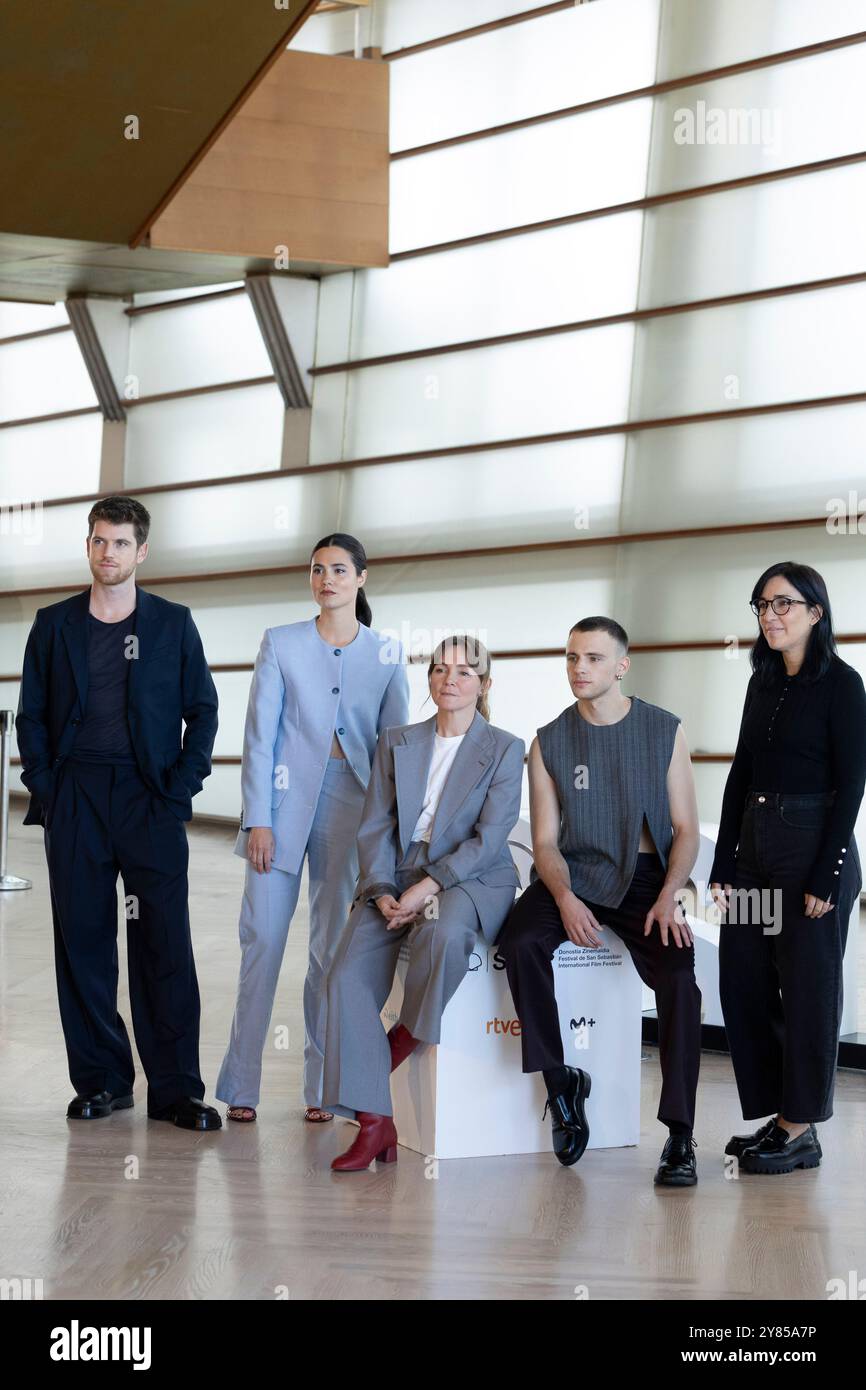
(435, 867)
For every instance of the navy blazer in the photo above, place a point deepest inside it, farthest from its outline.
(169, 682)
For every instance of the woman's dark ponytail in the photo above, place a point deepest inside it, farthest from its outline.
(363, 611)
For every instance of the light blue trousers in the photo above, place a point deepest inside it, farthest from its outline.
(267, 909)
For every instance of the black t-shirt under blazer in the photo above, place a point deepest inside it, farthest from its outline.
(103, 736)
(608, 777)
(800, 736)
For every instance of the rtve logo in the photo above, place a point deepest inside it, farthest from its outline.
(511, 1026)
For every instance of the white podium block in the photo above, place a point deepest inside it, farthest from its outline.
(706, 969)
(468, 1098)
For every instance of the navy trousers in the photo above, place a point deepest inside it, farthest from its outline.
(103, 821)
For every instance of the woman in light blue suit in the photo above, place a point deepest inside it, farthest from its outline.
(444, 796)
(322, 692)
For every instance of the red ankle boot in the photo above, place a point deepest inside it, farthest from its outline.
(402, 1044)
(377, 1138)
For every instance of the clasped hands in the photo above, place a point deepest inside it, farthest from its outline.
(399, 912)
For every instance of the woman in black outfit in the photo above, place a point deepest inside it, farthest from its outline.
(790, 803)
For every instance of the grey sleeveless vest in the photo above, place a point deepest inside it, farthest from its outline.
(608, 777)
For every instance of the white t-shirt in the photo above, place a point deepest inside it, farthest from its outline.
(444, 753)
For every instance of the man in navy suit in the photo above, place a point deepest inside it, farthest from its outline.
(109, 675)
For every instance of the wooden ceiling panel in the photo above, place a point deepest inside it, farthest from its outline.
(303, 164)
(70, 75)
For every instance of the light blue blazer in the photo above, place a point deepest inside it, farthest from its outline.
(478, 809)
(303, 692)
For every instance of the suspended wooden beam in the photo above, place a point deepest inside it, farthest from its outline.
(300, 175)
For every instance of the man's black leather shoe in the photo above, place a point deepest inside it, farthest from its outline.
(96, 1105)
(738, 1143)
(677, 1167)
(568, 1119)
(779, 1153)
(188, 1113)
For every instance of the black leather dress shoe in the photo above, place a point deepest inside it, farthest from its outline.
(677, 1167)
(96, 1105)
(777, 1152)
(738, 1143)
(568, 1119)
(188, 1113)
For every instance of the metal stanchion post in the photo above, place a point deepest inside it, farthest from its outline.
(7, 881)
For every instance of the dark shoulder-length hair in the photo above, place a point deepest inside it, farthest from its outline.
(363, 611)
(769, 666)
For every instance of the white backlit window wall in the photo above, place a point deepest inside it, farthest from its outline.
(570, 430)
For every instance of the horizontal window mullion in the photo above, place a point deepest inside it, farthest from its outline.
(603, 321)
(623, 427)
(650, 201)
(544, 653)
(619, 538)
(35, 333)
(136, 310)
(671, 84)
(53, 415)
(188, 391)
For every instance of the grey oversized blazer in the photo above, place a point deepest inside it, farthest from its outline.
(478, 809)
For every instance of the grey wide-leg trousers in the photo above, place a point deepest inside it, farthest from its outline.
(267, 909)
(357, 1053)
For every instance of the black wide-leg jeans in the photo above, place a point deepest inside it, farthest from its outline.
(780, 972)
(528, 941)
(103, 821)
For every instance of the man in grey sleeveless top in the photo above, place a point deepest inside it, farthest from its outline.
(615, 836)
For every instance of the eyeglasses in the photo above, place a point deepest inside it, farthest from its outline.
(780, 605)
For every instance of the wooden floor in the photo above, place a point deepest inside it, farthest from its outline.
(253, 1212)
